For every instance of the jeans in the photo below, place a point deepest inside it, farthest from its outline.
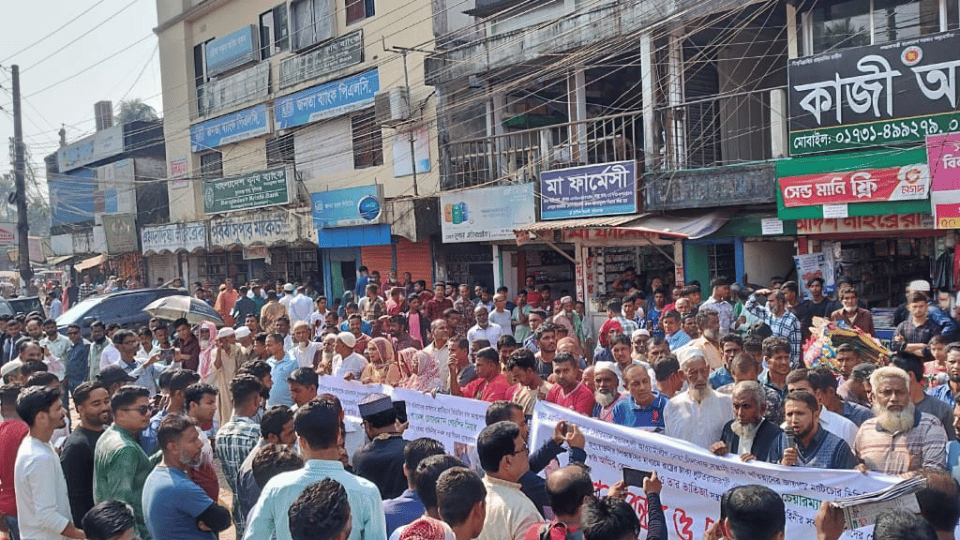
(12, 526)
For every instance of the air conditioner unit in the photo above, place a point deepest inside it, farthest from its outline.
(392, 106)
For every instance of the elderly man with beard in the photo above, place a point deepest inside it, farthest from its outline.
(606, 379)
(221, 370)
(698, 414)
(644, 408)
(851, 312)
(749, 434)
(805, 443)
(639, 339)
(899, 439)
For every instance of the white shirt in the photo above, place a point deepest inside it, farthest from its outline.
(838, 425)
(304, 355)
(443, 356)
(300, 308)
(509, 512)
(351, 364)
(109, 356)
(697, 423)
(43, 509)
(491, 333)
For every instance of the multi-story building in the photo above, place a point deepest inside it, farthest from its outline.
(104, 187)
(292, 129)
(650, 134)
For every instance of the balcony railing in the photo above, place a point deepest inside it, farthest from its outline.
(716, 131)
(520, 156)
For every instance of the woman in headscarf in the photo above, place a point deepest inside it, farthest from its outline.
(207, 334)
(426, 377)
(607, 331)
(382, 367)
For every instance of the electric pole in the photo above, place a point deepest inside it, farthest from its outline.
(19, 173)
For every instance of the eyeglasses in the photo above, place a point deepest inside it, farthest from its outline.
(143, 409)
(524, 450)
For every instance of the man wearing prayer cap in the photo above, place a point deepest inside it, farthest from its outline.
(245, 343)
(381, 460)
(606, 377)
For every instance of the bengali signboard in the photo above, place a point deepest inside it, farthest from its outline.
(8, 234)
(946, 209)
(260, 228)
(877, 95)
(608, 189)
(892, 175)
(172, 237)
(120, 232)
(254, 190)
(102, 144)
(349, 207)
(485, 214)
(327, 100)
(328, 58)
(943, 159)
(882, 225)
(232, 50)
(231, 128)
(236, 89)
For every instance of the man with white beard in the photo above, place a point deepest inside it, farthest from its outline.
(851, 312)
(698, 414)
(899, 439)
(749, 434)
(607, 393)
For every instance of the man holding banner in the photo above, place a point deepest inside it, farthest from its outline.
(749, 434)
(698, 414)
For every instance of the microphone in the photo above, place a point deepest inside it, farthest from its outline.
(789, 435)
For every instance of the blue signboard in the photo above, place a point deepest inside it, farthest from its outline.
(232, 50)
(608, 189)
(73, 197)
(350, 207)
(239, 126)
(327, 100)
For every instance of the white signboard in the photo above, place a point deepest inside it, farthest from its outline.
(480, 215)
(174, 237)
(245, 230)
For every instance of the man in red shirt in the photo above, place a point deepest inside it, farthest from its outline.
(439, 303)
(12, 432)
(569, 392)
(490, 385)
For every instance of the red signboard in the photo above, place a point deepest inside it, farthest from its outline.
(908, 182)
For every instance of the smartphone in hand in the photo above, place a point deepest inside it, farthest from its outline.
(634, 477)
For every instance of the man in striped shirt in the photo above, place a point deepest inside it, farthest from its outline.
(899, 439)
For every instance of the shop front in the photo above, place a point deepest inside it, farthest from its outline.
(259, 245)
(167, 248)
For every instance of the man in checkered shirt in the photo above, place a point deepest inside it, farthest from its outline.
(783, 323)
(238, 437)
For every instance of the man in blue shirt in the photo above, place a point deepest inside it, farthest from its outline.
(809, 445)
(173, 505)
(318, 430)
(408, 507)
(644, 408)
(947, 391)
(173, 383)
(282, 364)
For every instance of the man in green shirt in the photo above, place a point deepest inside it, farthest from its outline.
(120, 467)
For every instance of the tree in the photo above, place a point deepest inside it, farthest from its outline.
(135, 109)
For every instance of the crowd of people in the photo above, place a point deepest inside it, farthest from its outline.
(166, 412)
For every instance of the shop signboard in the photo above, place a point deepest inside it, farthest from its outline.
(943, 159)
(258, 228)
(887, 175)
(120, 232)
(881, 225)
(328, 58)
(235, 127)
(173, 237)
(946, 209)
(327, 100)
(102, 144)
(8, 234)
(813, 265)
(254, 190)
(877, 95)
(349, 207)
(232, 50)
(608, 189)
(485, 214)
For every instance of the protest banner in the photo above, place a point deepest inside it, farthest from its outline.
(694, 479)
(453, 421)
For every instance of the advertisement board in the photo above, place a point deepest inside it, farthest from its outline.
(327, 100)
(349, 207)
(232, 50)
(486, 213)
(231, 128)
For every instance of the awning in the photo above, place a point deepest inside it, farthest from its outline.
(90, 263)
(679, 226)
(63, 260)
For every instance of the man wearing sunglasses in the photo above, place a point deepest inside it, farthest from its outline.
(120, 467)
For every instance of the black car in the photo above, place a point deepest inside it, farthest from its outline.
(123, 307)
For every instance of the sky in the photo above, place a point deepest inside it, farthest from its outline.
(105, 50)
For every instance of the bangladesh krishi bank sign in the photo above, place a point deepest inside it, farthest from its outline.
(879, 95)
